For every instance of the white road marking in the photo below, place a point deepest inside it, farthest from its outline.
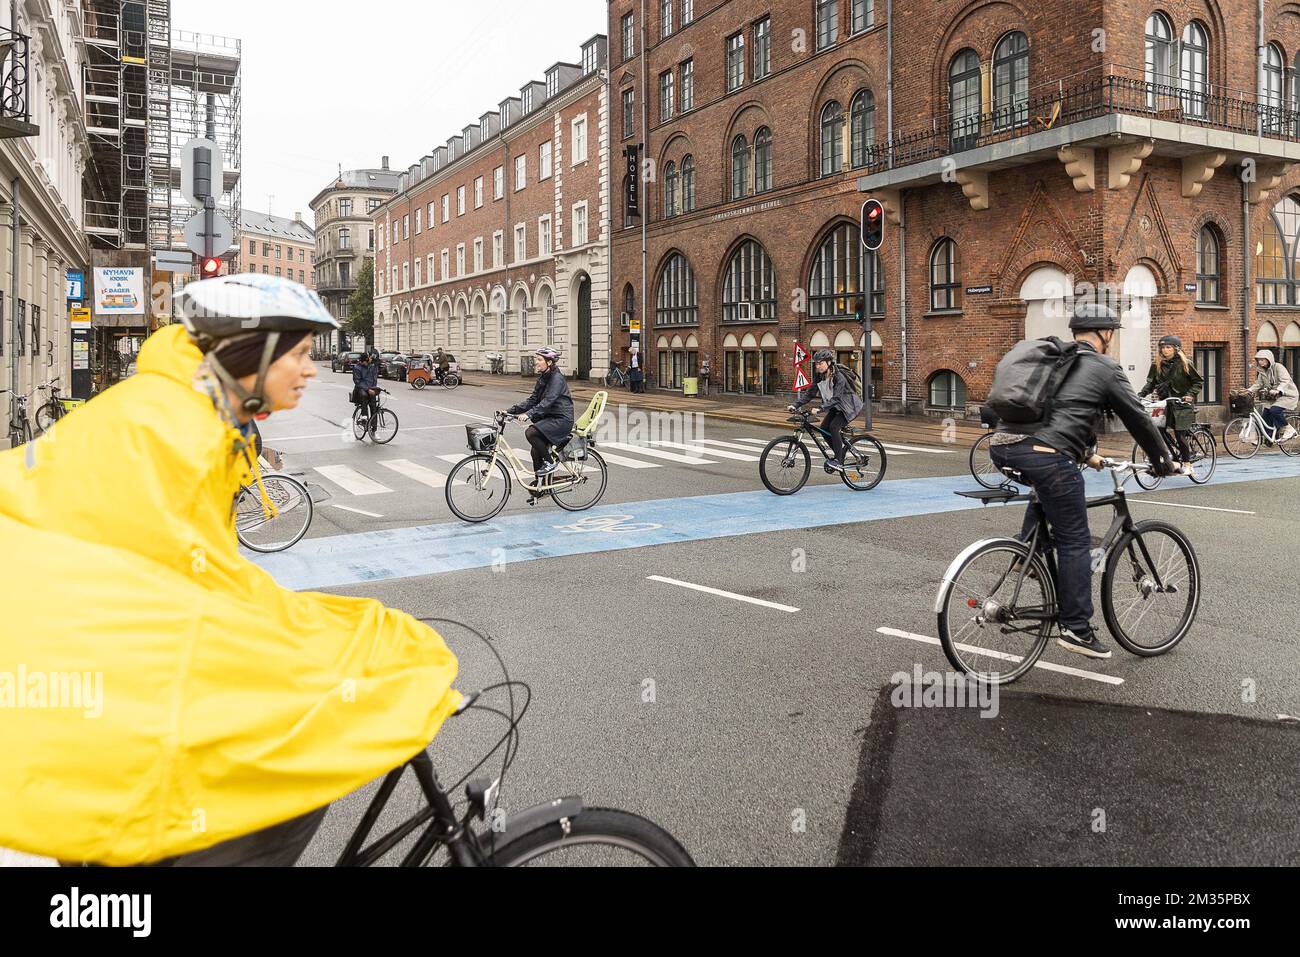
(613, 459)
(461, 413)
(453, 459)
(812, 447)
(270, 439)
(918, 448)
(352, 481)
(727, 445)
(1204, 508)
(656, 453)
(417, 472)
(717, 453)
(355, 511)
(1045, 665)
(723, 594)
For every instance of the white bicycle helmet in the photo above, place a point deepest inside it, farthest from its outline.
(229, 307)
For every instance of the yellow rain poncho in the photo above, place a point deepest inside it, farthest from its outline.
(225, 704)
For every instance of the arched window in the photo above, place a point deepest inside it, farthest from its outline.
(863, 127)
(1011, 81)
(749, 290)
(832, 138)
(1159, 71)
(945, 276)
(836, 280)
(1270, 89)
(677, 303)
(1194, 68)
(739, 168)
(629, 305)
(670, 190)
(1275, 264)
(947, 390)
(763, 160)
(1208, 266)
(688, 184)
(964, 99)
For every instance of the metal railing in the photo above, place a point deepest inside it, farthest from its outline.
(14, 73)
(1100, 91)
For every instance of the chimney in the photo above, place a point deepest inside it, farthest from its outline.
(385, 162)
(297, 217)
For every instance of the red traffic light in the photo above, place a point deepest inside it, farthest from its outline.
(873, 225)
(873, 213)
(211, 267)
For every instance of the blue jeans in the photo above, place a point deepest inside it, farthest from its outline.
(1059, 483)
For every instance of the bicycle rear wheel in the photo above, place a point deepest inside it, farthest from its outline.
(1292, 445)
(864, 463)
(1241, 437)
(1147, 480)
(360, 423)
(595, 837)
(981, 463)
(47, 415)
(477, 490)
(451, 381)
(1151, 589)
(982, 635)
(385, 427)
(276, 533)
(785, 466)
(579, 484)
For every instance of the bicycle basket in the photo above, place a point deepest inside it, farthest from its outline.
(1241, 403)
(482, 438)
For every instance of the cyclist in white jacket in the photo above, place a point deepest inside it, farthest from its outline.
(1275, 385)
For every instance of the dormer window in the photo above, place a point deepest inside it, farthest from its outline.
(552, 83)
(589, 59)
(528, 100)
(505, 117)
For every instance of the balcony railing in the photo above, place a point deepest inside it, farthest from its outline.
(336, 285)
(15, 62)
(1106, 89)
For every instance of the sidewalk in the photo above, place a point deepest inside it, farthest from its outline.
(899, 429)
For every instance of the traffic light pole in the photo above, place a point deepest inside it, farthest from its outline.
(869, 280)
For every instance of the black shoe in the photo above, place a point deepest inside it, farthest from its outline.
(1083, 643)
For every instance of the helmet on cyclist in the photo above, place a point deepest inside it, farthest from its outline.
(1094, 316)
(231, 309)
(550, 355)
(823, 355)
(1172, 341)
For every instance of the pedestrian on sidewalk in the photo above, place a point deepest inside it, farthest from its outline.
(635, 374)
(705, 368)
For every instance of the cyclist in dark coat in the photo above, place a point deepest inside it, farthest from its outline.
(550, 408)
(1173, 376)
(365, 382)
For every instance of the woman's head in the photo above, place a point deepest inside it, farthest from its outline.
(544, 359)
(289, 370)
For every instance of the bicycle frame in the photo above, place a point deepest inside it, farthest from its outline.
(522, 475)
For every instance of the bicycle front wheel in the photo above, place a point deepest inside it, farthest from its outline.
(477, 490)
(1291, 446)
(1151, 589)
(596, 837)
(981, 463)
(385, 427)
(47, 415)
(785, 466)
(360, 423)
(1147, 480)
(579, 484)
(1205, 456)
(451, 381)
(268, 534)
(1241, 438)
(986, 629)
(864, 464)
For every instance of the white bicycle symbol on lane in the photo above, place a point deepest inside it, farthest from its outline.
(607, 523)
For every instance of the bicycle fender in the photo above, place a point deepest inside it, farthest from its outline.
(951, 574)
(517, 825)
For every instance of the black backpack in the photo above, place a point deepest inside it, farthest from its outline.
(1027, 380)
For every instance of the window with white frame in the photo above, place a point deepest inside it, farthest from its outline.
(478, 192)
(828, 23)
(417, 222)
(735, 61)
(864, 15)
(430, 273)
(406, 275)
(406, 226)
(521, 171)
(688, 86)
(460, 200)
(478, 254)
(544, 161)
(579, 151)
(627, 30)
(579, 224)
(431, 218)
(498, 249)
(521, 243)
(460, 259)
(417, 272)
(446, 264)
(666, 17)
(665, 96)
(446, 207)
(629, 112)
(498, 182)
(762, 48)
(544, 244)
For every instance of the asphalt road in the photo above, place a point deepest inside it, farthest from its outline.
(747, 729)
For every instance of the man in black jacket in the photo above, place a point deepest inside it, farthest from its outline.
(365, 383)
(1049, 461)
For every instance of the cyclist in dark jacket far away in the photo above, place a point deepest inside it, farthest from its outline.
(365, 382)
(840, 401)
(1049, 461)
(1173, 376)
(551, 409)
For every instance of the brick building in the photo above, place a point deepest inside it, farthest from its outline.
(498, 241)
(275, 246)
(1024, 152)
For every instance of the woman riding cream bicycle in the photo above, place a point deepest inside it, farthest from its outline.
(1173, 376)
(1274, 385)
(550, 408)
(233, 711)
(839, 400)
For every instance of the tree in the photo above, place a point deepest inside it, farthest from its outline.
(361, 304)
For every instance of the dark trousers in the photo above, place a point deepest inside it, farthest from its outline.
(1275, 416)
(1059, 483)
(1184, 448)
(834, 423)
(541, 446)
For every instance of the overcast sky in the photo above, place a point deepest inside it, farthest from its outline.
(327, 84)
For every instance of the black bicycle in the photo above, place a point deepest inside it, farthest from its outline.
(563, 832)
(56, 408)
(20, 426)
(997, 601)
(381, 427)
(1200, 443)
(786, 464)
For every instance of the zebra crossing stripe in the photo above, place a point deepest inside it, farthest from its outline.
(717, 453)
(625, 462)
(351, 481)
(417, 472)
(656, 453)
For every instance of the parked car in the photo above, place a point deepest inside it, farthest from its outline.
(345, 362)
(392, 365)
(386, 357)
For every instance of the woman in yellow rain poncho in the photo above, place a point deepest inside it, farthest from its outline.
(160, 695)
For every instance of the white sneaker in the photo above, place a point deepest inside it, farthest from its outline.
(1289, 434)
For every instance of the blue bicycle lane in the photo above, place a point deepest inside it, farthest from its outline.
(425, 550)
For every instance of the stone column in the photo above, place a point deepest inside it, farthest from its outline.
(41, 301)
(56, 324)
(26, 292)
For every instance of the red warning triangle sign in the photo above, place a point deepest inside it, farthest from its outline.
(801, 381)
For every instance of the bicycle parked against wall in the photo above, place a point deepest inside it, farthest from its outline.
(1246, 433)
(1200, 442)
(56, 408)
(381, 427)
(20, 426)
(616, 376)
(786, 463)
(997, 605)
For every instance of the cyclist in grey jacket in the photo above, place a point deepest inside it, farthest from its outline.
(839, 400)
